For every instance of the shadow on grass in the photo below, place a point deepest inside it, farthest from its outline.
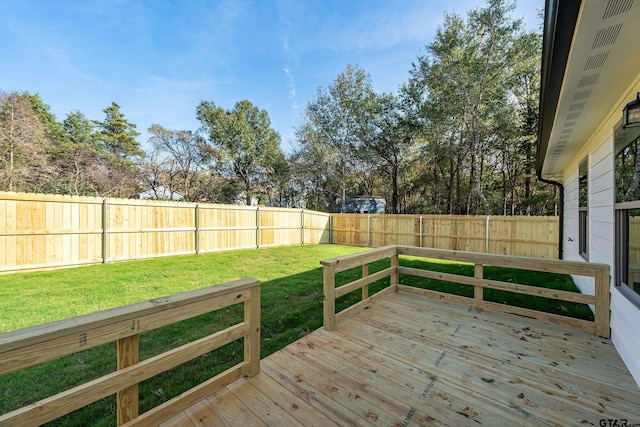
(291, 309)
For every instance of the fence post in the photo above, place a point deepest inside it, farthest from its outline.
(602, 314)
(302, 227)
(329, 300)
(330, 229)
(258, 227)
(105, 224)
(252, 341)
(368, 230)
(486, 235)
(197, 224)
(127, 407)
(421, 231)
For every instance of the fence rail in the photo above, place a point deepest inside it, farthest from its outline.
(598, 272)
(44, 231)
(38, 344)
(504, 235)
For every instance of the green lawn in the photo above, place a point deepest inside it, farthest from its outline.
(291, 308)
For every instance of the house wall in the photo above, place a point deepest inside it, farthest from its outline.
(624, 315)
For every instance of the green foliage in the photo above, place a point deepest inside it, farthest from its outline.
(119, 136)
(475, 93)
(249, 148)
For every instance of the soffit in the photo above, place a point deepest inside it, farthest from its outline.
(603, 61)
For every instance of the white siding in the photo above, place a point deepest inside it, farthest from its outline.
(625, 317)
(571, 237)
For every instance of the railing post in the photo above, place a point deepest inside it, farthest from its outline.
(365, 288)
(394, 273)
(602, 292)
(127, 399)
(329, 297)
(477, 289)
(252, 341)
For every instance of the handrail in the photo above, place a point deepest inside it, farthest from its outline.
(600, 272)
(38, 344)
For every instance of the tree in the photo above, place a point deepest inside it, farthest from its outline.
(118, 135)
(475, 94)
(78, 156)
(336, 116)
(23, 147)
(175, 160)
(123, 153)
(389, 135)
(248, 146)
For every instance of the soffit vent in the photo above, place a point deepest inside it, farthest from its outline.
(596, 61)
(582, 95)
(576, 107)
(569, 124)
(616, 7)
(573, 116)
(607, 36)
(589, 80)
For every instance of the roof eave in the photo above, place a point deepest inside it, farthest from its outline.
(560, 19)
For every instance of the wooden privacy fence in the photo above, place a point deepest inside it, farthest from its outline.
(44, 231)
(505, 235)
(599, 273)
(38, 344)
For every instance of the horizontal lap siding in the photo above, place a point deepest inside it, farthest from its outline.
(624, 316)
(601, 200)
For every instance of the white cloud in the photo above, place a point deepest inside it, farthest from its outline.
(292, 88)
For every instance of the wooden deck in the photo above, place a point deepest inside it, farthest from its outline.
(418, 361)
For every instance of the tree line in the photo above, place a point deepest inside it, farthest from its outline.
(458, 137)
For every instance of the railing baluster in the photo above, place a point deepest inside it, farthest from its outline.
(252, 341)
(394, 274)
(365, 288)
(478, 289)
(127, 399)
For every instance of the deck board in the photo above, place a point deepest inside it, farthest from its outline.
(411, 360)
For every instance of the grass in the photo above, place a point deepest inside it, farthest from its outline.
(291, 308)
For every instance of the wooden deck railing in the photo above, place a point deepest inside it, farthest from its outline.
(35, 345)
(600, 273)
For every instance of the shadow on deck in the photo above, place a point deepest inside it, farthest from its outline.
(412, 360)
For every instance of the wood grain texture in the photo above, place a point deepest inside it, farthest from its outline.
(39, 231)
(411, 360)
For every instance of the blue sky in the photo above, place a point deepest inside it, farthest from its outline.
(159, 59)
